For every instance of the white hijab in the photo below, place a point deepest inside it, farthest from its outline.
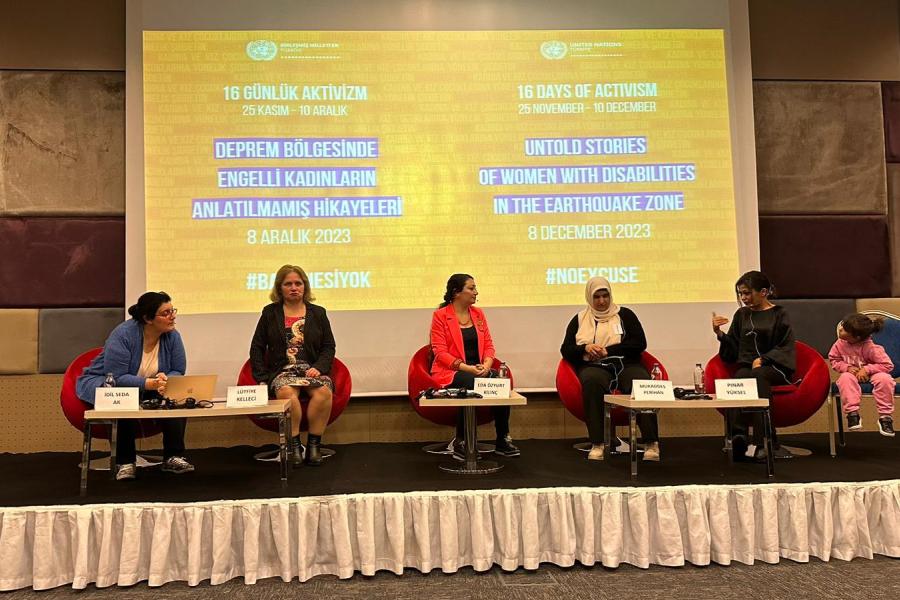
(599, 326)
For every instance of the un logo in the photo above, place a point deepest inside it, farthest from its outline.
(554, 50)
(262, 50)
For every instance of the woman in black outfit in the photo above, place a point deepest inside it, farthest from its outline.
(292, 351)
(761, 341)
(604, 343)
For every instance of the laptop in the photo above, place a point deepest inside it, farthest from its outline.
(199, 387)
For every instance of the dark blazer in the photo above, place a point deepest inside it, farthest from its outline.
(268, 349)
(633, 343)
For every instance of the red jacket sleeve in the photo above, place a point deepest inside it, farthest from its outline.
(489, 351)
(441, 343)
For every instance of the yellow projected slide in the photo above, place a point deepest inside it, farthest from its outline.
(382, 162)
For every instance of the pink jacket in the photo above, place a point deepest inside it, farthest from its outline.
(867, 354)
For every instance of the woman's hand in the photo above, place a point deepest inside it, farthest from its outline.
(596, 351)
(757, 363)
(157, 383)
(717, 322)
(862, 375)
(313, 372)
(480, 370)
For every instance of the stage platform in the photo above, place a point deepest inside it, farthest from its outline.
(388, 506)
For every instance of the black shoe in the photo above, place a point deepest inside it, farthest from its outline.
(505, 447)
(738, 447)
(886, 426)
(295, 451)
(854, 422)
(313, 455)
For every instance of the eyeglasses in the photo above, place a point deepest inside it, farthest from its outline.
(168, 313)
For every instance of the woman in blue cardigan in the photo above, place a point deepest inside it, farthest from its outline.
(142, 352)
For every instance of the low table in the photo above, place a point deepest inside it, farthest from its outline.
(635, 406)
(472, 465)
(275, 409)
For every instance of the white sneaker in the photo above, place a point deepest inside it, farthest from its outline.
(177, 464)
(126, 472)
(651, 452)
(597, 451)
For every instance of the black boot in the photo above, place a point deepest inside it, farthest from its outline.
(313, 452)
(295, 451)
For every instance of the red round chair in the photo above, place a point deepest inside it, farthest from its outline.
(790, 404)
(568, 386)
(418, 380)
(343, 385)
(73, 408)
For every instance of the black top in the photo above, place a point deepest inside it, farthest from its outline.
(470, 343)
(765, 334)
(268, 349)
(633, 343)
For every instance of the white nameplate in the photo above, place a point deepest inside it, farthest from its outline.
(736, 389)
(116, 398)
(489, 387)
(239, 396)
(652, 389)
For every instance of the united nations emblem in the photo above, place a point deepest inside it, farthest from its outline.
(261, 50)
(554, 50)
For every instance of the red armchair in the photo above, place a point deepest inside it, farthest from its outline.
(343, 385)
(419, 379)
(73, 408)
(790, 404)
(568, 386)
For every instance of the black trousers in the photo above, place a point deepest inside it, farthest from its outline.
(173, 438)
(500, 413)
(596, 382)
(739, 420)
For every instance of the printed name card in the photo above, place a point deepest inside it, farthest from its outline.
(241, 396)
(492, 388)
(116, 398)
(652, 389)
(736, 389)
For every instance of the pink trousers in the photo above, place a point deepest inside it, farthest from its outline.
(883, 391)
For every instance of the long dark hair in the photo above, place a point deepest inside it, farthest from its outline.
(756, 281)
(455, 285)
(144, 311)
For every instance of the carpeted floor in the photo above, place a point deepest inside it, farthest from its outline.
(231, 473)
(869, 579)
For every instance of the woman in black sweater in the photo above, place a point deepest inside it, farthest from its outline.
(604, 343)
(761, 341)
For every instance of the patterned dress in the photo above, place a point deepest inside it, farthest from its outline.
(294, 372)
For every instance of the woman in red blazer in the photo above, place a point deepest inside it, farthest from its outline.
(463, 350)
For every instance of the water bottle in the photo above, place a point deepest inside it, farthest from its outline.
(503, 371)
(699, 381)
(110, 381)
(656, 372)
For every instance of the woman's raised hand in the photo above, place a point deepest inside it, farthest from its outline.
(717, 322)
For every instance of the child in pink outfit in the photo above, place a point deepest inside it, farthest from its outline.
(858, 359)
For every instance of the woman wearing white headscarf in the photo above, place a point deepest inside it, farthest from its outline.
(604, 343)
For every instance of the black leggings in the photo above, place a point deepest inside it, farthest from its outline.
(500, 413)
(596, 382)
(739, 419)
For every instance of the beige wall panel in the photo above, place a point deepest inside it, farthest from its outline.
(891, 305)
(18, 340)
(62, 143)
(60, 34)
(893, 179)
(30, 399)
(825, 39)
(819, 148)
